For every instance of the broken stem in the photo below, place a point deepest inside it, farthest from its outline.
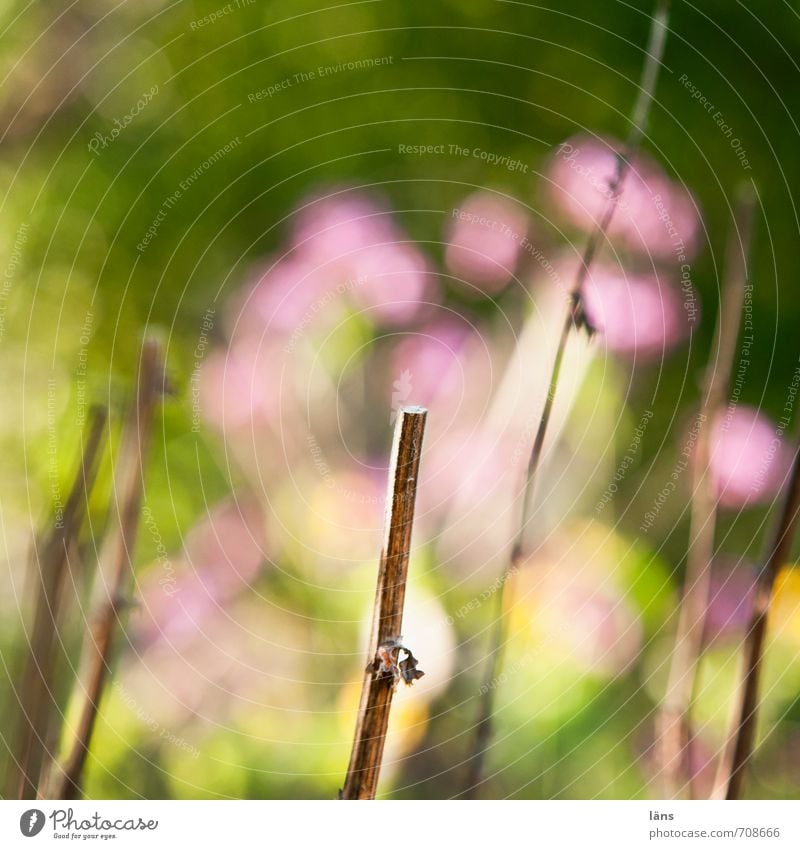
(382, 669)
(674, 733)
(37, 697)
(115, 564)
(575, 318)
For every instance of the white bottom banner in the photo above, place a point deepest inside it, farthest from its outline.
(403, 823)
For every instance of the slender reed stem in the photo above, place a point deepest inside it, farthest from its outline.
(738, 749)
(674, 719)
(575, 318)
(383, 670)
(36, 696)
(115, 563)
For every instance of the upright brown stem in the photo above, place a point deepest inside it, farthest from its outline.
(738, 749)
(575, 318)
(674, 720)
(36, 696)
(382, 669)
(115, 563)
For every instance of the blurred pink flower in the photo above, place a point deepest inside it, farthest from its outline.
(245, 658)
(431, 360)
(748, 458)
(227, 547)
(485, 237)
(329, 227)
(234, 390)
(175, 616)
(285, 296)
(471, 467)
(730, 599)
(654, 215)
(637, 315)
(392, 281)
(357, 249)
(465, 501)
(223, 554)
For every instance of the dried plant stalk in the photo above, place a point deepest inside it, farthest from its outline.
(115, 561)
(738, 749)
(674, 733)
(52, 563)
(383, 670)
(575, 318)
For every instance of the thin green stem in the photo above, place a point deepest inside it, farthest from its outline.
(575, 318)
(52, 564)
(115, 565)
(738, 749)
(674, 733)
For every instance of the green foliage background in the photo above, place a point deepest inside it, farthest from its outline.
(513, 78)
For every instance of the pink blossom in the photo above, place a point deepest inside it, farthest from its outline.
(392, 281)
(227, 547)
(176, 615)
(223, 554)
(471, 468)
(730, 599)
(486, 234)
(234, 388)
(285, 296)
(329, 227)
(748, 458)
(357, 248)
(639, 316)
(654, 215)
(428, 363)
